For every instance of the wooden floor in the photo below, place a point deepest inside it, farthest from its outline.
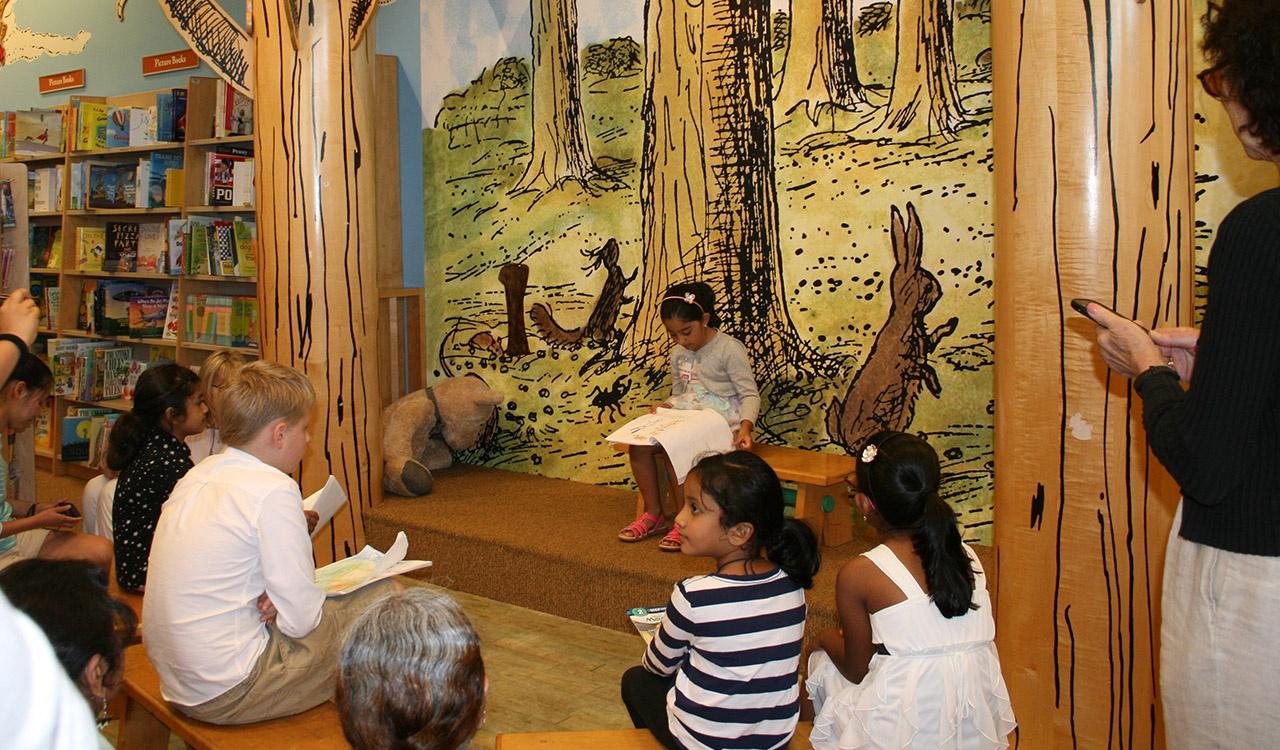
(546, 673)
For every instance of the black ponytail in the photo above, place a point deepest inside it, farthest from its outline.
(748, 491)
(947, 568)
(795, 549)
(159, 389)
(901, 476)
(675, 304)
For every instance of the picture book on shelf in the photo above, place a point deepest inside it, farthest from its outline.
(99, 433)
(224, 248)
(41, 428)
(151, 247)
(118, 127)
(45, 244)
(112, 186)
(49, 310)
(91, 244)
(37, 132)
(92, 125)
(158, 177)
(220, 174)
(8, 211)
(110, 365)
(122, 246)
(246, 247)
(147, 315)
(76, 430)
(171, 314)
(176, 229)
(136, 368)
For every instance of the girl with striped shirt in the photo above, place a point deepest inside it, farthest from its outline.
(723, 668)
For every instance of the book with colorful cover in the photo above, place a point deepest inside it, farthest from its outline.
(171, 315)
(91, 245)
(37, 132)
(112, 185)
(147, 315)
(86, 314)
(239, 113)
(136, 368)
(42, 427)
(224, 248)
(49, 311)
(92, 125)
(176, 229)
(8, 209)
(118, 127)
(62, 363)
(219, 174)
(161, 163)
(99, 436)
(151, 247)
(76, 430)
(164, 118)
(246, 247)
(114, 296)
(122, 246)
(40, 242)
(197, 249)
(179, 114)
(110, 364)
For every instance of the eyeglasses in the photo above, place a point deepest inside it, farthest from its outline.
(1211, 80)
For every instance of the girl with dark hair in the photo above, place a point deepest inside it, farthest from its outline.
(147, 448)
(88, 629)
(709, 370)
(722, 669)
(914, 663)
(28, 530)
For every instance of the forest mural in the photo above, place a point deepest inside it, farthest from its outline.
(824, 164)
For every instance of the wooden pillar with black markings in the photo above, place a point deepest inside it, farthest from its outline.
(1094, 190)
(313, 90)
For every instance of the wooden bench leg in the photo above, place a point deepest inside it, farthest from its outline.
(835, 527)
(140, 730)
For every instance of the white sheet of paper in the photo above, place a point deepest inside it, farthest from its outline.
(685, 434)
(326, 501)
(383, 565)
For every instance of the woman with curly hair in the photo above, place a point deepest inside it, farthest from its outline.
(1220, 436)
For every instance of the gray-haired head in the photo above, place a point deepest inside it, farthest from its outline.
(411, 675)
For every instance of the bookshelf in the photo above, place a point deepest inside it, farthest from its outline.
(186, 201)
(20, 449)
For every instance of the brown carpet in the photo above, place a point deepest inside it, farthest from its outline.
(550, 545)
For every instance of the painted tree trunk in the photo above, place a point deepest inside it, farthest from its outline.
(1094, 200)
(709, 199)
(820, 67)
(925, 101)
(317, 274)
(673, 192)
(560, 150)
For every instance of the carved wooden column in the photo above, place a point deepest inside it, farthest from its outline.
(1094, 190)
(313, 85)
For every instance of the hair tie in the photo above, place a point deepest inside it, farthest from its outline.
(869, 453)
(688, 298)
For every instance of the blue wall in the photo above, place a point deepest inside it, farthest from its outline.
(112, 63)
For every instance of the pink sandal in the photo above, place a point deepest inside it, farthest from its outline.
(642, 528)
(672, 541)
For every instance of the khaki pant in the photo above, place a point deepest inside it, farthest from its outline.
(1220, 627)
(292, 674)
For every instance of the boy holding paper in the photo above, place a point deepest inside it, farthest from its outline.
(233, 619)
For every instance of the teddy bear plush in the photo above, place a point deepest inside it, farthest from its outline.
(420, 430)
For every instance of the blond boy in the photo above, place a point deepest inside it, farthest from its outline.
(233, 619)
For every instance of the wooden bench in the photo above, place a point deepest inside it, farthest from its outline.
(821, 492)
(147, 720)
(613, 739)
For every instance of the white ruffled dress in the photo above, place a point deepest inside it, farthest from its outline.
(939, 686)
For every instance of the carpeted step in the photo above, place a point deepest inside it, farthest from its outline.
(551, 545)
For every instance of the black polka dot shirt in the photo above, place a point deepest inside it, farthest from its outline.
(143, 487)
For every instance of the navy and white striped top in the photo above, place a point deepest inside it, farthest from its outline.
(734, 643)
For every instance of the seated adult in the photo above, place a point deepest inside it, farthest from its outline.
(410, 675)
(88, 629)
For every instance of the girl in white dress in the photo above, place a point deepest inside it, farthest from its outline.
(914, 663)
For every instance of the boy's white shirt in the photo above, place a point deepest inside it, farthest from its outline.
(232, 528)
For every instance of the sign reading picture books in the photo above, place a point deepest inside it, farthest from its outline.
(71, 79)
(169, 61)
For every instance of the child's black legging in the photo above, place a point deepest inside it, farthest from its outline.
(645, 696)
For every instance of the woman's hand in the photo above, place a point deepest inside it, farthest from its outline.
(1126, 346)
(20, 316)
(312, 519)
(55, 518)
(743, 439)
(1178, 345)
